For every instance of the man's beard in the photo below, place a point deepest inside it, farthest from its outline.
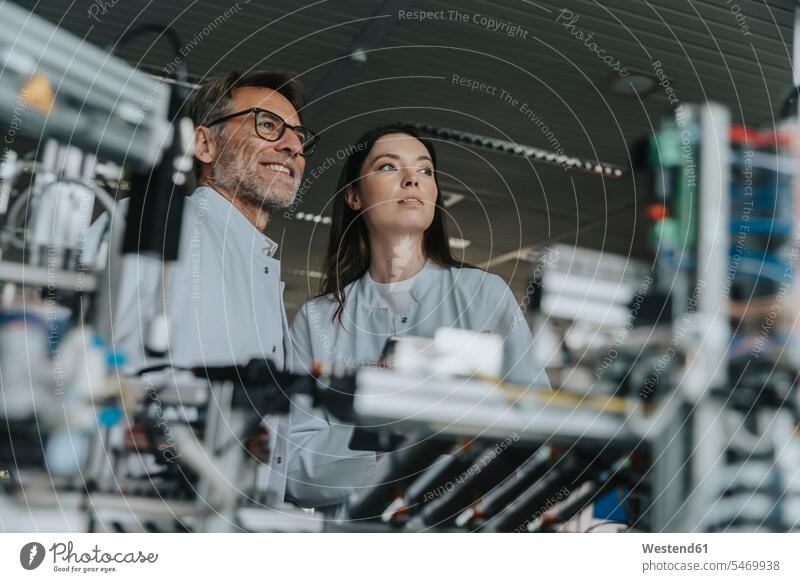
(239, 171)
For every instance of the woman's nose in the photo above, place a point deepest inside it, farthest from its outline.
(410, 178)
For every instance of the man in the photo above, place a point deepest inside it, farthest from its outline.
(223, 298)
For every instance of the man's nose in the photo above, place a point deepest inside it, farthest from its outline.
(289, 143)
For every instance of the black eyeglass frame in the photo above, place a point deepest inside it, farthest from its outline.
(308, 146)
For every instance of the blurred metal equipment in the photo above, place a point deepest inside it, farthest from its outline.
(724, 223)
(172, 450)
(55, 84)
(478, 449)
(92, 123)
(591, 286)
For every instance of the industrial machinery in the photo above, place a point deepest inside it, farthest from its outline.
(97, 129)
(724, 224)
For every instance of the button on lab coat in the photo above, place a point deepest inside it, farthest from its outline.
(224, 303)
(463, 298)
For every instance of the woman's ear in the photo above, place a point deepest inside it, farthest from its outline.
(205, 145)
(351, 198)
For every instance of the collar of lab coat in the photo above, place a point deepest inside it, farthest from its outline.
(220, 208)
(367, 291)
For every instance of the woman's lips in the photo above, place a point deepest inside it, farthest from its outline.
(411, 202)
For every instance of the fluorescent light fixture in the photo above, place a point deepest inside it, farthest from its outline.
(295, 272)
(528, 152)
(451, 199)
(309, 217)
(459, 243)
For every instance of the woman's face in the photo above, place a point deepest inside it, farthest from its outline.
(396, 192)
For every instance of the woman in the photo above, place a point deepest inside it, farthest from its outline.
(389, 270)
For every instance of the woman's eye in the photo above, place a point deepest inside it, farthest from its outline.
(427, 171)
(383, 167)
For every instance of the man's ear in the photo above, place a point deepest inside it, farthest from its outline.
(351, 197)
(205, 145)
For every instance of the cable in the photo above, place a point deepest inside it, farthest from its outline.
(159, 367)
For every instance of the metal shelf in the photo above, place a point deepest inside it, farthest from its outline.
(79, 282)
(468, 407)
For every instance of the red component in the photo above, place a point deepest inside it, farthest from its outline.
(657, 212)
(759, 139)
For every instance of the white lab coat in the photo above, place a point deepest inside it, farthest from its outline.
(224, 298)
(463, 298)
(224, 305)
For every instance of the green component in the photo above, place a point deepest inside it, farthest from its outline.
(665, 235)
(686, 195)
(676, 148)
(666, 145)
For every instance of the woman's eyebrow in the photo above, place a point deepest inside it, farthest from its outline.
(393, 156)
(396, 157)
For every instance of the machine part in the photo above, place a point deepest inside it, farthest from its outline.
(504, 493)
(566, 474)
(492, 466)
(102, 104)
(395, 471)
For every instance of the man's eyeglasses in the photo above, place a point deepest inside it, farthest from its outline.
(271, 127)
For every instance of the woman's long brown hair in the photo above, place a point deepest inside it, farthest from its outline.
(348, 255)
